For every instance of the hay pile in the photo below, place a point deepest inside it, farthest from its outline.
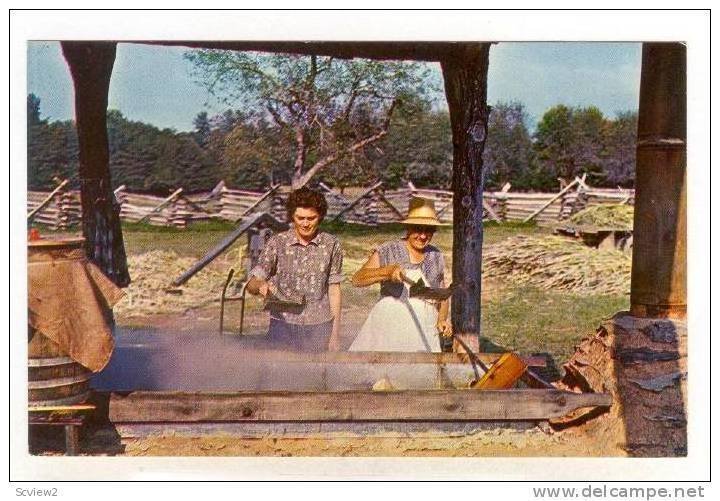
(605, 216)
(552, 262)
(151, 292)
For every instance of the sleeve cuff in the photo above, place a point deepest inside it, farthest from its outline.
(335, 278)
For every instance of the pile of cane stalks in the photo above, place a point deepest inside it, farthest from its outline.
(151, 292)
(605, 216)
(554, 262)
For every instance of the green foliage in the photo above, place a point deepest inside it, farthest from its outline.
(247, 148)
(572, 141)
(52, 151)
(418, 148)
(320, 110)
(508, 155)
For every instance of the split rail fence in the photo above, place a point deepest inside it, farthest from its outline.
(368, 206)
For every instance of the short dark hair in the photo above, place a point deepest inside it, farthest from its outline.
(307, 199)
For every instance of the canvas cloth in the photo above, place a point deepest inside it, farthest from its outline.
(67, 298)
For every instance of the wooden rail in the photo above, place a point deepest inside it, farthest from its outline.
(355, 406)
(61, 208)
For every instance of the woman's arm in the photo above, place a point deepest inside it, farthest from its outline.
(335, 307)
(373, 273)
(444, 325)
(265, 268)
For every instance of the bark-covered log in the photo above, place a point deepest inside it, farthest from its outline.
(91, 65)
(465, 75)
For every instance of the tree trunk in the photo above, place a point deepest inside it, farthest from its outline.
(91, 65)
(465, 75)
(301, 147)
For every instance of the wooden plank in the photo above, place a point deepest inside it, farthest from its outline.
(47, 200)
(260, 200)
(354, 202)
(61, 408)
(392, 206)
(331, 430)
(433, 405)
(490, 211)
(162, 204)
(378, 357)
(561, 193)
(223, 245)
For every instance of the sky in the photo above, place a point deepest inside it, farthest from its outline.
(153, 84)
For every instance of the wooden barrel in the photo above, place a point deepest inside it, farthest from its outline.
(53, 377)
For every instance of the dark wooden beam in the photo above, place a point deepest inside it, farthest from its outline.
(382, 50)
(465, 75)
(436, 405)
(91, 65)
(659, 268)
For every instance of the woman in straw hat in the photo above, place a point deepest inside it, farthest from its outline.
(399, 322)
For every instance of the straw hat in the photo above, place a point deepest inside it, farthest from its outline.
(422, 213)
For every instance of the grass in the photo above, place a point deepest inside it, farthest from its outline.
(531, 320)
(195, 240)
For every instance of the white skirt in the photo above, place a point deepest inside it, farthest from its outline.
(399, 324)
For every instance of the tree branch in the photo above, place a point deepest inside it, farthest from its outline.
(276, 116)
(300, 181)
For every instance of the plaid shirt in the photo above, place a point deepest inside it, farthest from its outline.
(297, 270)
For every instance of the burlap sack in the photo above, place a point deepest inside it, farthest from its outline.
(68, 300)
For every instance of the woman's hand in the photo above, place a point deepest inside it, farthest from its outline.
(397, 274)
(258, 286)
(444, 327)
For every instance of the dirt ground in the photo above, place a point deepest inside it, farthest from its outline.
(586, 441)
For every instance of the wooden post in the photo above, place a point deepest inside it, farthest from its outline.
(465, 75)
(91, 65)
(659, 268)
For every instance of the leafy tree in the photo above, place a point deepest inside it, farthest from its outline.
(568, 142)
(323, 109)
(202, 128)
(620, 138)
(419, 149)
(33, 110)
(572, 141)
(508, 155)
